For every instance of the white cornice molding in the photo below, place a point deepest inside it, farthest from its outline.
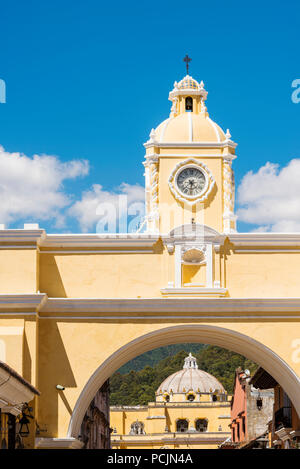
(187, 92)
(224, 144)
(20, 239)
(101, 240)
(98, 251)
(46, 306)
(204, 155)
(194, 291)
(236, 307)
(265, 239)
(129, 408)
(21, 236)
(59, 443)
(191, 438)
(242, 250)
(170, 305)
(13, 302)
(136, 240)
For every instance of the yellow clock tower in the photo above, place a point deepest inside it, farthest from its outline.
(188, 166)
(190, 190)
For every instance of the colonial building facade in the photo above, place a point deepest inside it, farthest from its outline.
(191, 410)
(75, 307)
(251, 412)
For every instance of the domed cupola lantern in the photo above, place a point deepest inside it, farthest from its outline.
(190, 362)
(188, 96)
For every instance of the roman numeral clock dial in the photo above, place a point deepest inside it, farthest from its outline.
(191, 181)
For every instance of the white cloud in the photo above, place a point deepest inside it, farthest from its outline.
(97, 204)
(31, 188)
(270, 198)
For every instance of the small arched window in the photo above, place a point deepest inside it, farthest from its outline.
(191, 397)
(214, 397)
(166, 398)
(189, 104)
(201, 425)
(182, 425)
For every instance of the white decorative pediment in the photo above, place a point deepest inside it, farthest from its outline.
(191, 199)
(189, 234)
(192, 230)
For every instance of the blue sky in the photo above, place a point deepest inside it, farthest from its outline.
(87, 80)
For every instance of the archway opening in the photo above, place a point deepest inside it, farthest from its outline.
(185, 378)
(223, 337)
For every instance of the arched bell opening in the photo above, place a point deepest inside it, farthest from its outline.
(189, 104)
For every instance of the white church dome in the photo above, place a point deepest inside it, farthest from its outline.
(190, 379)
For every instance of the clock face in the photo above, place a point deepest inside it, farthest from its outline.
(191, 181)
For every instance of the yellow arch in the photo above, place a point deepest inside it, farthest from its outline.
(209, 334)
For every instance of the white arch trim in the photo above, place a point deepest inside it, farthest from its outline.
(209, 334)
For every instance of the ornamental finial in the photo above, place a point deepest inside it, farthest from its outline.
(228, 135)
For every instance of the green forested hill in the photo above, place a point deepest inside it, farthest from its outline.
(154, 356)
(138, 387)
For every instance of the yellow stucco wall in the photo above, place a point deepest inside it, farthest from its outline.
(265, 275)
(11, 342)
(103, 275)
(130, 275)
(18, 273)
